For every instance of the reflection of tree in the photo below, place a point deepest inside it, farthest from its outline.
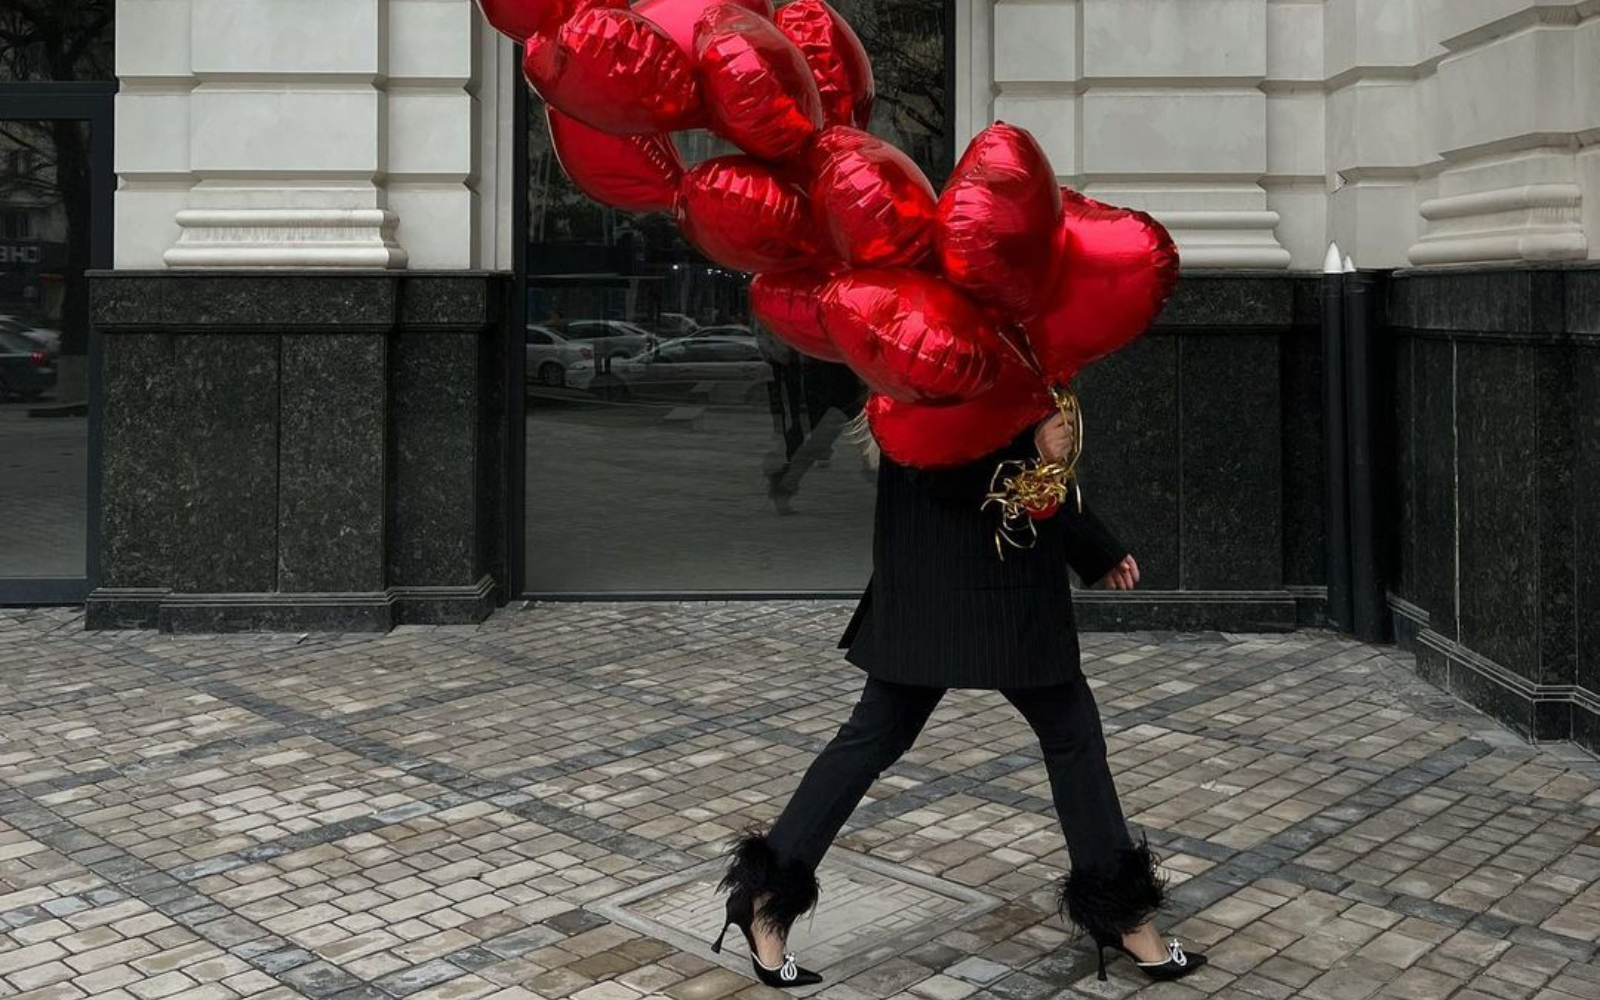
(52, 41)
(906, 41)
(55, 39)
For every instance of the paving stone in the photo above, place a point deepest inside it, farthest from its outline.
(453, 813)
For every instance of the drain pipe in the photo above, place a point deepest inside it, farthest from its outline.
(1369, 618)
(1337, 546)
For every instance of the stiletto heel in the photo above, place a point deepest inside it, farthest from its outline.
(742, 914)
(1177, 964)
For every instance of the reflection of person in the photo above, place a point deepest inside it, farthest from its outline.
(785, 391)
(833, 398)
(943, 610)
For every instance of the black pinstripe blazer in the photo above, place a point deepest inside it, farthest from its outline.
(943, 610)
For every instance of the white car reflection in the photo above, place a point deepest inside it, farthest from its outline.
(556, 362)
(719, 368)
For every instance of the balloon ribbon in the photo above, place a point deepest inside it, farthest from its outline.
(1025, 490)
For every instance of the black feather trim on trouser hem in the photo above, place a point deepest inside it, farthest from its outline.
(1108, 902)
(753, 868)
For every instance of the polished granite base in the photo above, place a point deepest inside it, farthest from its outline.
(1205, 457)
(1187, 611)
(299, 452)
(1495, 406)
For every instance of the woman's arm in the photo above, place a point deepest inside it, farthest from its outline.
(1093, 551)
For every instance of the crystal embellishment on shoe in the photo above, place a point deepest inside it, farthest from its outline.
(1175, 955)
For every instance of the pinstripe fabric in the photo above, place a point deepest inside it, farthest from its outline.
(943, 610)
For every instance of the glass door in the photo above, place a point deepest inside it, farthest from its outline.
(55, 187)
(57, 182)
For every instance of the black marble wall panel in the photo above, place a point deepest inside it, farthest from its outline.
(301, 450)
(1402, 475)
(434, 517)
(1499, 520)
(332, 463)
(1586, 493)
(137, 438)
(1554, 461)
(1497, 408)
(1304, 448)
(240, 301)
(1434, 466)
(223, 463)
(1230, 442)
(1131, 465)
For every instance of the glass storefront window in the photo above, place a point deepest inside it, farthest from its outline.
(673, 445)
(44, 251)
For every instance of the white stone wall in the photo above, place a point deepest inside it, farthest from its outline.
(310, 133)
(1412, 131)
(378, 132)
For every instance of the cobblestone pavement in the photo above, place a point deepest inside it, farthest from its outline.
(532, 808)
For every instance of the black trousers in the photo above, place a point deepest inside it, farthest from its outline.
(886, 723)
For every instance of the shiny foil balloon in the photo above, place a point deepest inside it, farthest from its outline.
(742, 214)
(911, 336)
(1117, 270)
(616, 72)
(837, 59)
(872, 202)
(679, 18)
(936, 437)
(522, 19)
(789, 304)
(998, 221)
(634, 173)
(758, 89)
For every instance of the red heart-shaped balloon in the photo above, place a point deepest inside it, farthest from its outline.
(937, 437)
(789, 304)
(522, 19)
(742, 214)
(911, 335)
(1115, 270)
(616, 72)
(678, 18)
(758, 88)
(872, 202)
(999, 221)
(634, 173)
(837, 59)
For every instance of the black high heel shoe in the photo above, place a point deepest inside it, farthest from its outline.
(1177, 965)
(789, 975)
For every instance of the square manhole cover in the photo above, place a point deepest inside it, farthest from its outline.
(870, 911)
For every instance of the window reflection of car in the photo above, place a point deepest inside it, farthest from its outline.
(27, 368)
(716, 364)
(611, 339)
(50, 340)
(557, 362)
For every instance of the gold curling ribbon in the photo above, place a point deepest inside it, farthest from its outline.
(1023, 488)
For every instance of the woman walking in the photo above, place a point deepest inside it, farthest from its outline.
(944, 611)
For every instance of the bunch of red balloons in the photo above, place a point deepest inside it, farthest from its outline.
(960, 310)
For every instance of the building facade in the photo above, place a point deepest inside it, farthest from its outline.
(359, 355)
